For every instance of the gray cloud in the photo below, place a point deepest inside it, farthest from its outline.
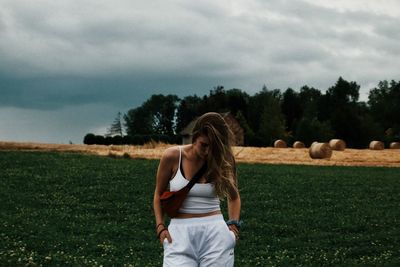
(57, 55)
(49, 93)
(205, 38)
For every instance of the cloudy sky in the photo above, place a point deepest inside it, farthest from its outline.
(68, 67)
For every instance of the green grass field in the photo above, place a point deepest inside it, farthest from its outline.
(62, 209)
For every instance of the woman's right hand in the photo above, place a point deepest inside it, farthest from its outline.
(165, 234)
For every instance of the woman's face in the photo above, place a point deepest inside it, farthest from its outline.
(202, 146)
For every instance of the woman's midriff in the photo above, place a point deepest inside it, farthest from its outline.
(196, 215)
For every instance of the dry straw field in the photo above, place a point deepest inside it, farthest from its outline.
(348, 157)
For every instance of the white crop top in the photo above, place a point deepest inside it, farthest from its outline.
(200, 199)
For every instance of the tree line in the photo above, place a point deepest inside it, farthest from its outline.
(306, 115)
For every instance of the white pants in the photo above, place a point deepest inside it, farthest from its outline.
(205, 241)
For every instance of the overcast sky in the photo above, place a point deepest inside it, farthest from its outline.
(68, 67)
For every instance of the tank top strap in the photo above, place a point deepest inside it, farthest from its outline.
(180, 156)
(180, 162)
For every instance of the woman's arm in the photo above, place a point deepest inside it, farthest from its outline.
(164, 173)
(234, 206)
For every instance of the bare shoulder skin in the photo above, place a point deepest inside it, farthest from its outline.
(166, 169)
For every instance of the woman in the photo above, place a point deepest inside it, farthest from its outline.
(198, 235)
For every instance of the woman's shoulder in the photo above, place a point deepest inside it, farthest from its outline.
(171, 153)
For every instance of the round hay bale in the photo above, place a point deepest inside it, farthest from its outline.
(395, 145)
(337, 144)
(315, 142)
(376, 145)
(280, 144)
(320, 151)
(298, 144)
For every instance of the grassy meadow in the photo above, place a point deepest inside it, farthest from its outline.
(70, 209)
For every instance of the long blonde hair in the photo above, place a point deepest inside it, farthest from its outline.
(221, 162)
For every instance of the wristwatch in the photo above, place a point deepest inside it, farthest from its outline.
(237, 223)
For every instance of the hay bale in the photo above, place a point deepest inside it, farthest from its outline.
(337, 144)
(395, 145)
(315, 142)
(298, 144)
(280, 144)
(320, 151)
(376, 145)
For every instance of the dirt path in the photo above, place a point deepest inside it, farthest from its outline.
(349, 157)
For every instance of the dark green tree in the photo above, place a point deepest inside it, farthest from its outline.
(272, 125)
(311, 130)
(248, 132)
(291, 108)
(215, 102)
(237, 101)
(89, 139)
(369, 129)
(219, 100)
(116, 127)
(340, 108)
(163, 111)
(188, 109)
(309, 100)
(344, 92)
(139, 121)
(155, 116)
(265, 117)
(384, 102)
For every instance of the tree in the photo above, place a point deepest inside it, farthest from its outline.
(257, 104)
(188, 109)
(248, 132)
(116, 127)
(163, 109)
(89, 139)
(215, 102)
(291, 108)
(343, 92)
(237, 101)
(138, 121)
(272, 125)
(309, 100)
(339, 106)
(385, 108)
(310, 130)
(369, 129)
(265, 117)
(154, 116)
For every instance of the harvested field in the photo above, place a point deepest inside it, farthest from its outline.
(349, 157)
(74, 209)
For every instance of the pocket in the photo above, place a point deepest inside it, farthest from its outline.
(233, 237)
